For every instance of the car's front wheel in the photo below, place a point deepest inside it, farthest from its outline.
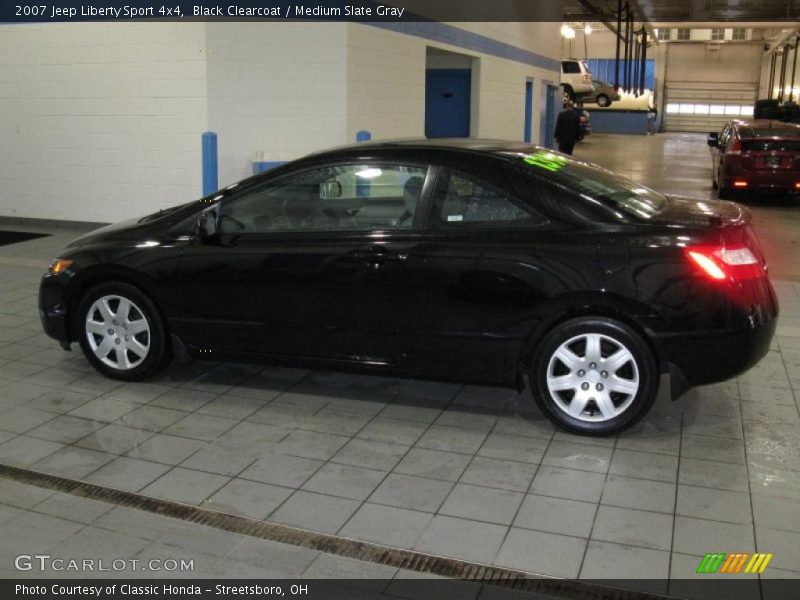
(594, 376)
(121, 332)
(603, 101)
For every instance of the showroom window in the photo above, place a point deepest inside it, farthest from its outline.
(664, 34)
(718, 34)
(339, 197)
(739, 34)
(461, 200)
(684, 34)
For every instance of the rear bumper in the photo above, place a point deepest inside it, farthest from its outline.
(761, 180)
(711, 358)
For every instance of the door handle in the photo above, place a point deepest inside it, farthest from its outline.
(377, 256)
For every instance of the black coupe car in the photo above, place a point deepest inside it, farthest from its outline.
(476, 261)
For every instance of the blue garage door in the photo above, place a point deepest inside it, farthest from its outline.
(447, 101)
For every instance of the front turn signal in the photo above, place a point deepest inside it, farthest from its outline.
(59, 265)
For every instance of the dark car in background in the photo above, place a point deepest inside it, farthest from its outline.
(756, 155)
(464, 260)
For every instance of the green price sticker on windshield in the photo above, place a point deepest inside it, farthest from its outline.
(545, 160)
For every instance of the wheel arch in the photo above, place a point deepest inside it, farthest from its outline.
(92, 276)
(599, 305)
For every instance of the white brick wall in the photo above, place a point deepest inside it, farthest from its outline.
(100, 122)
(277, 88)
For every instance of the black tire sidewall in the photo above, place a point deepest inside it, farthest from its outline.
(159, 352)
(649, 375)
(603, 101)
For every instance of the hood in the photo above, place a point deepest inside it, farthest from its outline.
(149, 226)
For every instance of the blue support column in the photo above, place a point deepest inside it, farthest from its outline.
(363, 136)
(210, 167)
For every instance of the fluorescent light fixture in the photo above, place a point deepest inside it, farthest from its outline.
(587, 29)
(369, 173)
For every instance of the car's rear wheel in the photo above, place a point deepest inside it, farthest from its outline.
(121, 332)
(603, 101)
(569, 94)
(594, 376)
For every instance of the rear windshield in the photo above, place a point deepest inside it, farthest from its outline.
(771, 145)
(595, 184)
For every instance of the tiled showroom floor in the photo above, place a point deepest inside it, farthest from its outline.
(454, 470)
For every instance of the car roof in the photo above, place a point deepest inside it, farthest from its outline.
(760, 128)
(472, 145)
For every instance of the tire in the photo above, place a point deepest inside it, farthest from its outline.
(591, 400)
(603, 101)
(131, 346)
(569, 94)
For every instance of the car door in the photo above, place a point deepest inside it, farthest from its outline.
(325, 262)
(487, 271)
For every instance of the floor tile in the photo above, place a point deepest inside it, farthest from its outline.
(433, 464)
(414, 493)
(723, 476)
(641, 494)
(282, 469)
(522, 549)
(248, 498)
(185, 485)
(556, 515)
(448, 536)
(451, 439)
(569, 455)
(317, 512)
(644, 465)
(568, 483)
(344, 481)
(502, 474)
(513, 447)
(482, 504)
(129, 474)
(633, 527)
(388, 525)
(307, 444)
(698, 536)
(716, 505)
(605, 560)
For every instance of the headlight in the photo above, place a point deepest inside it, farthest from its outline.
(59, 265)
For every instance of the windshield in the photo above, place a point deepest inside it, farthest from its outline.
(595, 184)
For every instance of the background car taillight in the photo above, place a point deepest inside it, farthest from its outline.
(727, 263)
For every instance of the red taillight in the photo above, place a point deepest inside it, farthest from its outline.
(733, 263)
(739, 183)
(735, 147)
(797, 185)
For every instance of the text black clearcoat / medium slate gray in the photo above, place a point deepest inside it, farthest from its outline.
(473, 304)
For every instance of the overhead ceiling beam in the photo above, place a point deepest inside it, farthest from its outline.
(596, 14)
(781, 41)
(637, 9)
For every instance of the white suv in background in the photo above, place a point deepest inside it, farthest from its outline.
(576, 79)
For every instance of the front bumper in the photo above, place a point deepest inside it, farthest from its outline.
(53, 310)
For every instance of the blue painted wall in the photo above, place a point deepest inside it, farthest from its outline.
(619, 121)
(603, 69)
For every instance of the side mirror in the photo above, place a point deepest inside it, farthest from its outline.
(207, 223)
(713, 140)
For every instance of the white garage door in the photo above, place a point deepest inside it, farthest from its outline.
(692, 106)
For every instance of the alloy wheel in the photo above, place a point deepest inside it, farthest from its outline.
(593, 377)
(118, 332)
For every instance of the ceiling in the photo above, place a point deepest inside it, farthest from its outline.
(688, 10)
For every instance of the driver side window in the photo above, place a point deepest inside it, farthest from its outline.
(333, 198)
